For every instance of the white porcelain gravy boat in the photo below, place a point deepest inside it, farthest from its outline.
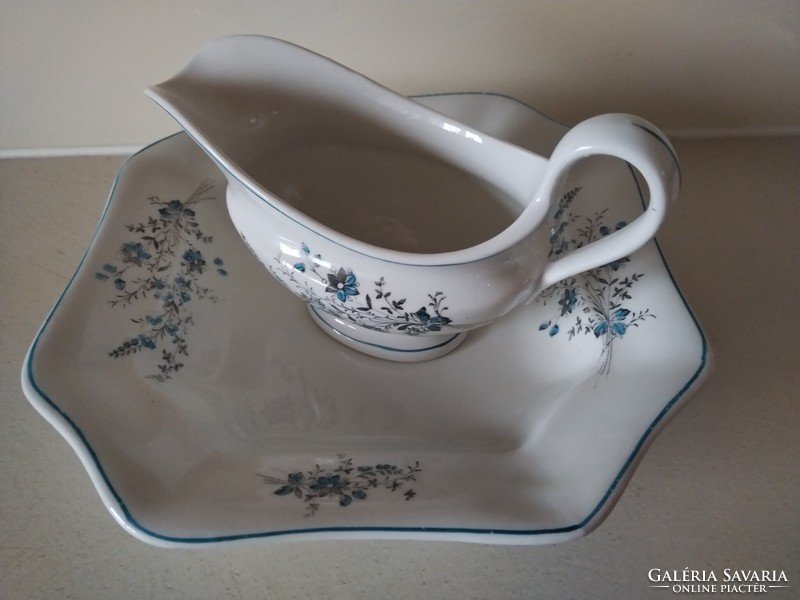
(400, 227)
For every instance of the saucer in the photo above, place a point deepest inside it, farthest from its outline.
(208, 408)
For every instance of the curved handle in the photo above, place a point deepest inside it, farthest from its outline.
(643, 146)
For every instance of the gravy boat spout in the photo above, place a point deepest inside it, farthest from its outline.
(401, 227)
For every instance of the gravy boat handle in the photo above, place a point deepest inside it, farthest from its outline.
(646, 149)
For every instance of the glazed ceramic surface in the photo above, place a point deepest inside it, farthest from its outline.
(400, 226)
(207, 410)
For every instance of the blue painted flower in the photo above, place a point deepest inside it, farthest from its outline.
(300, 266)
(194, 260)
(430, 323)
(293, 485)
(134, 252)
(423, 317)
(147, 342)
(568, 300)
(618, 326)
(436, 323)
(175, 207)
(326, 485)
(343, 284)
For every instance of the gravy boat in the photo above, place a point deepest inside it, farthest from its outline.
(400, 227)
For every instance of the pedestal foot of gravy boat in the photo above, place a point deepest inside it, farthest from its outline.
(390, 346)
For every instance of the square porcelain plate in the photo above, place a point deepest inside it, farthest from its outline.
(207, 408)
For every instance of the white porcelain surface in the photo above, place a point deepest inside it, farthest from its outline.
(527, 434)
(336, 182)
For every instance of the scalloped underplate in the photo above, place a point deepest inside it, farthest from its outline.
(207, 408)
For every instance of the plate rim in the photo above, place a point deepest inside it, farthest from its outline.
(115, 504)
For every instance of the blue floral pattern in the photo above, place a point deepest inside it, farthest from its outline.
(592, 302)
(167, 263)
(343, 284)
(344, 483)
(342, 297)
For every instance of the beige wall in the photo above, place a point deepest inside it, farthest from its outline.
(73, 71)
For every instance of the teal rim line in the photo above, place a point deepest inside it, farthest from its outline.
(132, 522)
(381, 346)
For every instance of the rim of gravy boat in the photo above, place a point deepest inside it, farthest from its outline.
(526, 223)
